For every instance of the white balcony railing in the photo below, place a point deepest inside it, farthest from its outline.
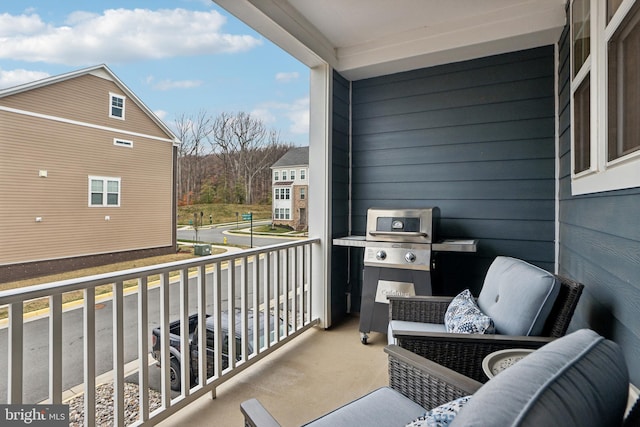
(269, 287)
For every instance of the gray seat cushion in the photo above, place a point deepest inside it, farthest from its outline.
(578, 380)
(404, 325)
(381, 407)
(518, 296)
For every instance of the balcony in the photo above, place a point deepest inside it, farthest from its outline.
(271, 289)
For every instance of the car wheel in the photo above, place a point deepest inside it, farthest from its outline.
(174, 374)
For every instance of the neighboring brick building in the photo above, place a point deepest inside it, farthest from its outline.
(290, 183)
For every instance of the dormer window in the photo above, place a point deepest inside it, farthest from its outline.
(116, 107)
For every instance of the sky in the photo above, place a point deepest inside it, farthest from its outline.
(180, 57)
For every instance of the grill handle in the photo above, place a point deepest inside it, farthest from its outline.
(398, 233)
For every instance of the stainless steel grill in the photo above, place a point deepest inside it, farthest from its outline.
(397, 261)
(400, 238)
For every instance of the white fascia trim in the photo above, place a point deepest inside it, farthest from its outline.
(286, 27)
(84, 124)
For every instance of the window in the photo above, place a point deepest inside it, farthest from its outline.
(623, 94)
(303, 174)
(292, 175)
(275, 175)
(116, 106)
(286, 213)
(276, 215)
(287, 193)
(303, 194)
(104, 191)
(123, 143)
(284, 175)
(277, 194)
(605, 94)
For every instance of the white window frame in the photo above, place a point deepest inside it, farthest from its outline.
(287, 194)
(303, 174)
(276, 176)
(122, 142)
(303, 193)
(277, 194)
(284, 175)
(286, 213)
(124, 102)
(105, 192)
(602, 175)
(292, 175)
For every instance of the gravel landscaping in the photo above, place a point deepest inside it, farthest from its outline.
(104, 405)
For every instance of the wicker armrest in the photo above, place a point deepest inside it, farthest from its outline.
(255, 415)
(425, 382)
(463, 352)
(425, 309)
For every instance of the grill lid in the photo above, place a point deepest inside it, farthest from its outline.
(402, 225)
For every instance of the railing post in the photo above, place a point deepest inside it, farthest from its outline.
(55, 348)
(89, 356)
(16, 350)
(143, 348)
(165, 356)
(202, 326)
(185, 359)
(118, 353)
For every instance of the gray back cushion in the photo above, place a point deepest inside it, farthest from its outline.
(518, 296)
(578, 380)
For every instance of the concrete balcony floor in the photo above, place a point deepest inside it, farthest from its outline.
(316, 373)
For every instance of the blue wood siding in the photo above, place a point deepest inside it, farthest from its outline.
(340, 196)
(599, 244)
(475, 138)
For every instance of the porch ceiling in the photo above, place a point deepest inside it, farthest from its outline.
(367, 38)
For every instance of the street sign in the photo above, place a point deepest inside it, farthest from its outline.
(246, 216)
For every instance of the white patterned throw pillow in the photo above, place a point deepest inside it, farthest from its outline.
(441, 416)
(463, 316)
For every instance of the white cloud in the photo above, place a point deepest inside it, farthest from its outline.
(295, 113)
(118, 35)
(9, 78)
(177, 84)
(263, 114)
(161, 114)
(299, 117)
(287, 77)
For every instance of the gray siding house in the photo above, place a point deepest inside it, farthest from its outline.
(495, 112)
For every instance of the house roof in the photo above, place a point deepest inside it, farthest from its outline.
(101, 71)
(298, 156)
(368, 38)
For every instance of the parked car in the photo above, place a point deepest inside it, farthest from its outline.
(176, 353)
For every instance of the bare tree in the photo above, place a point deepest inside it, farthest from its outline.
(244, 145)
(194, 132)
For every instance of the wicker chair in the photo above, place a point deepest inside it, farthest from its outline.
(420, 380)
(464, 352)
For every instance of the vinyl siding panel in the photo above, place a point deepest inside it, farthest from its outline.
(70, 154)
(475, 138)
(85, 99)
(599, 244)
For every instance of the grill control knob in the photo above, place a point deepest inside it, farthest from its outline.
(381, 255)
(410, 257)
